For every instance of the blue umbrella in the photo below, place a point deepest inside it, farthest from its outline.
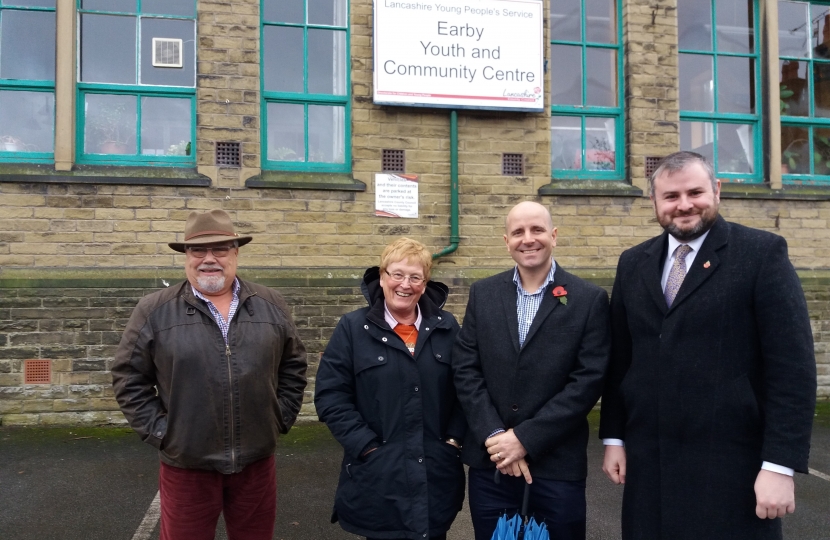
(520, 526)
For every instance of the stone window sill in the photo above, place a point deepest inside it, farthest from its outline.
(583, 188)
(305, 180)
(763, 191)
(106, 174)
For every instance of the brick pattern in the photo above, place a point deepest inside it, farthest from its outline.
(652, 103)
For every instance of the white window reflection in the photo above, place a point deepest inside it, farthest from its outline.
(286, 132)
(27, 121)
(600, 135)
(110, 124)
(566, 142)
(166, 127)
(326, 134)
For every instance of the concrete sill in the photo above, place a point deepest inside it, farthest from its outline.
(103, 174)
(584, 188)
(763, 191)
(305, 180)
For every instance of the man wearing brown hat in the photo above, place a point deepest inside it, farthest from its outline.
(209, 371)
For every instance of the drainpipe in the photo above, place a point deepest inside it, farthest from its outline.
(454, 236)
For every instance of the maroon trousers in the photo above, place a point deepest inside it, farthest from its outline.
(191, 501)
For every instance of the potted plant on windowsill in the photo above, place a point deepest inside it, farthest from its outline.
(110, 130)
(10, 143)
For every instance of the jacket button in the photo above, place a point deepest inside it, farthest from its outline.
(416, 388)
(380, 359)
(515, 407)
(365, 326)
(427, 329)
(383, 339)
(158, 434)
(439, 318)
(420, 460)
(438, 356)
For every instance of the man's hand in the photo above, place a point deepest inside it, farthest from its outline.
(517, 468)
(505, 449)
(774, 495)
(614, 463)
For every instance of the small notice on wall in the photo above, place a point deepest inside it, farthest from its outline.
(396, 195)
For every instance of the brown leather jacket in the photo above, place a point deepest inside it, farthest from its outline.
(204, 404)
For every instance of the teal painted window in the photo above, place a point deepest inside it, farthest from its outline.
(804, 82)
(136, 82)
(586, 124)
(27, 80)
(720, 85)
(305, 85)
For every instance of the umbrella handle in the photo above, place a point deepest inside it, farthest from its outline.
(525, 501)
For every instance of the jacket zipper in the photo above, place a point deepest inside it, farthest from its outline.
(230, 390)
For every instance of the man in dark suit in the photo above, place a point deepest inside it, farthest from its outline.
(529, 364)
(712, 382)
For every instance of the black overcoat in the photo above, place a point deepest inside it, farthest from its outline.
(704, 392)
(370, 389)
(544, 389)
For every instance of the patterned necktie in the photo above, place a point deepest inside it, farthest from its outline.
(677, 273)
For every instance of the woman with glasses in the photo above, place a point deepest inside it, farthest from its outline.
(385, 390)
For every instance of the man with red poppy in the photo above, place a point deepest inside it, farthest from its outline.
(709, 401)
(529, 364)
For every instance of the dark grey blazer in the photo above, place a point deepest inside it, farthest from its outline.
(706, 390)
(544, 390)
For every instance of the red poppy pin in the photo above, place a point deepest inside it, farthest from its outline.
(561, 294)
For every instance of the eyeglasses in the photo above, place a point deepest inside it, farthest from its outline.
(201, 252)
(397, 277)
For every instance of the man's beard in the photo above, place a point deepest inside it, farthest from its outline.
(707, 219)
(210, 284)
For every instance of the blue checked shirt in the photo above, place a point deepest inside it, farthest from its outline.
(527, 304)
(223, 324)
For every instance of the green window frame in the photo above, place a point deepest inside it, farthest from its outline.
(581, 110)
(712, 123)
(29, 142)
(805, 102)
(306, 126)
(129, 123)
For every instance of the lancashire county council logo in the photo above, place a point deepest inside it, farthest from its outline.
(537, 89)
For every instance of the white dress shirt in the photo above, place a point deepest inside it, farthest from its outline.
(690, 258)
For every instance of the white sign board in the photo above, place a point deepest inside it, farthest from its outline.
(396, 195)
(481, 54)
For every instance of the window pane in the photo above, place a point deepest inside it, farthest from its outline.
(694, 20)
(168, 28)
(29, 3)
(109, 124)
(698, 137)
(793, 88)
(27, 45)
(330, 12)
(27, 121)
(565, 23)
(566, 79)
(821, 82)
(734, 24)
(793, 29)
(696, 86)
(165, 127)
(602, 77)
(287, 11)
(326, 134)
(565, 142)
(601, 21)
(108, 49)
(327, 62)
(795, 150)
(735, 152)
(820, 15)
(286, 132)
(185, 8)
(283, 59)
(128, 6)
(821, 151)
(599, 144)
(736, 84)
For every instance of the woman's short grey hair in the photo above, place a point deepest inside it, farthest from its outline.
(679, 161)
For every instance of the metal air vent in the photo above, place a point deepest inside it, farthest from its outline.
(167, 52)
(393, 161)
(512, 164)
(652, 162)
(37, 372)
(228, 154)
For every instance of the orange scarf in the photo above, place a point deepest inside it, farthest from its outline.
(409, 334)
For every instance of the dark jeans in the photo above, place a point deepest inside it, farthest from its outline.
(442, 537)
(561, 504)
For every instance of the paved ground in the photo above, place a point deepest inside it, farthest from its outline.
(98, 483)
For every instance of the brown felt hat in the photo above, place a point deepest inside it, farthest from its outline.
(208, 228)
